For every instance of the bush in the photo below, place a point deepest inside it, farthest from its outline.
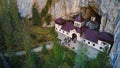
(46, 8)
(41, 39)
(44, 49)
(33, 36)
(36, 17)
(48, 19)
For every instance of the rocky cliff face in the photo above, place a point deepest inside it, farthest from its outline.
(110, 22)
(109, 10)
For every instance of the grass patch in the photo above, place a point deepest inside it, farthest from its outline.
(39, 36)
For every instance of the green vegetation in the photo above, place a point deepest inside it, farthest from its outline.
(58, 52)
(16, 33)
(42, 35)
(44, 49)
(33, 36)
(36, 17)
(2, 40)
(10, 26)
(46, 8)
(48, 19)
(43, 16)
(101, 61)
(68, 59)
(58, 57)
(82, 61)
(15, 61)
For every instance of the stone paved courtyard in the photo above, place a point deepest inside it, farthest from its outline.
(76, 46)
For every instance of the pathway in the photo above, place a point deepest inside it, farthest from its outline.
(77, 46)
(37, 49)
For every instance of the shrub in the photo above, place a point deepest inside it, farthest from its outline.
(41, 39)
(48, 19)
(44, 49)
(36, 16)
(33, 36)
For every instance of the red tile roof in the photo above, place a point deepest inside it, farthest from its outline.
(60, 21)
(68, 26)
(79, 18)
(85, 32)
(104, 36)
(90, 35)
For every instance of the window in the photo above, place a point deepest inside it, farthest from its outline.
(83, 40)
(93, 44)
(77, 25)
(92, 18)
(100, 47)
(73, 48)
(68, 44)
(56, 28)
(88, 42)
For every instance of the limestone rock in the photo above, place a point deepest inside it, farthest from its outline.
(25, 7)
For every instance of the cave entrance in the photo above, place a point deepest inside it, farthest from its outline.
(97, 15)
(92, 15)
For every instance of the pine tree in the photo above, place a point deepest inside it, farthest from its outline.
(32, 59)
(6, 23)
(36, 17)
(101, 61)
(82, 60)
(58, 52)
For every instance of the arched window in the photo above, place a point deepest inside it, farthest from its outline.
(73, 48)
(101, 48)
(93, 44)
(88, 42)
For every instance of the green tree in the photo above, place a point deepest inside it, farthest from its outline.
(44, 49)
(2, 40)
(6, 24)
(27, 44)
(16, 32)
(69, 58)
(36, 60)
(102, 60)
(82, 60)
(58, 52)
(14, 60)
(32, 59)
(49, 62)
(55, 58)
(48, 19)
(36, 17)
(10, 23)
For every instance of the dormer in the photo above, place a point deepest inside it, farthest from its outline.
(93, 19)
(79, 21)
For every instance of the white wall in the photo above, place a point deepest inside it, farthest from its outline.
(69, 34)
(79, 24)
(74, 32)
(97, 46)
(57, 27)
